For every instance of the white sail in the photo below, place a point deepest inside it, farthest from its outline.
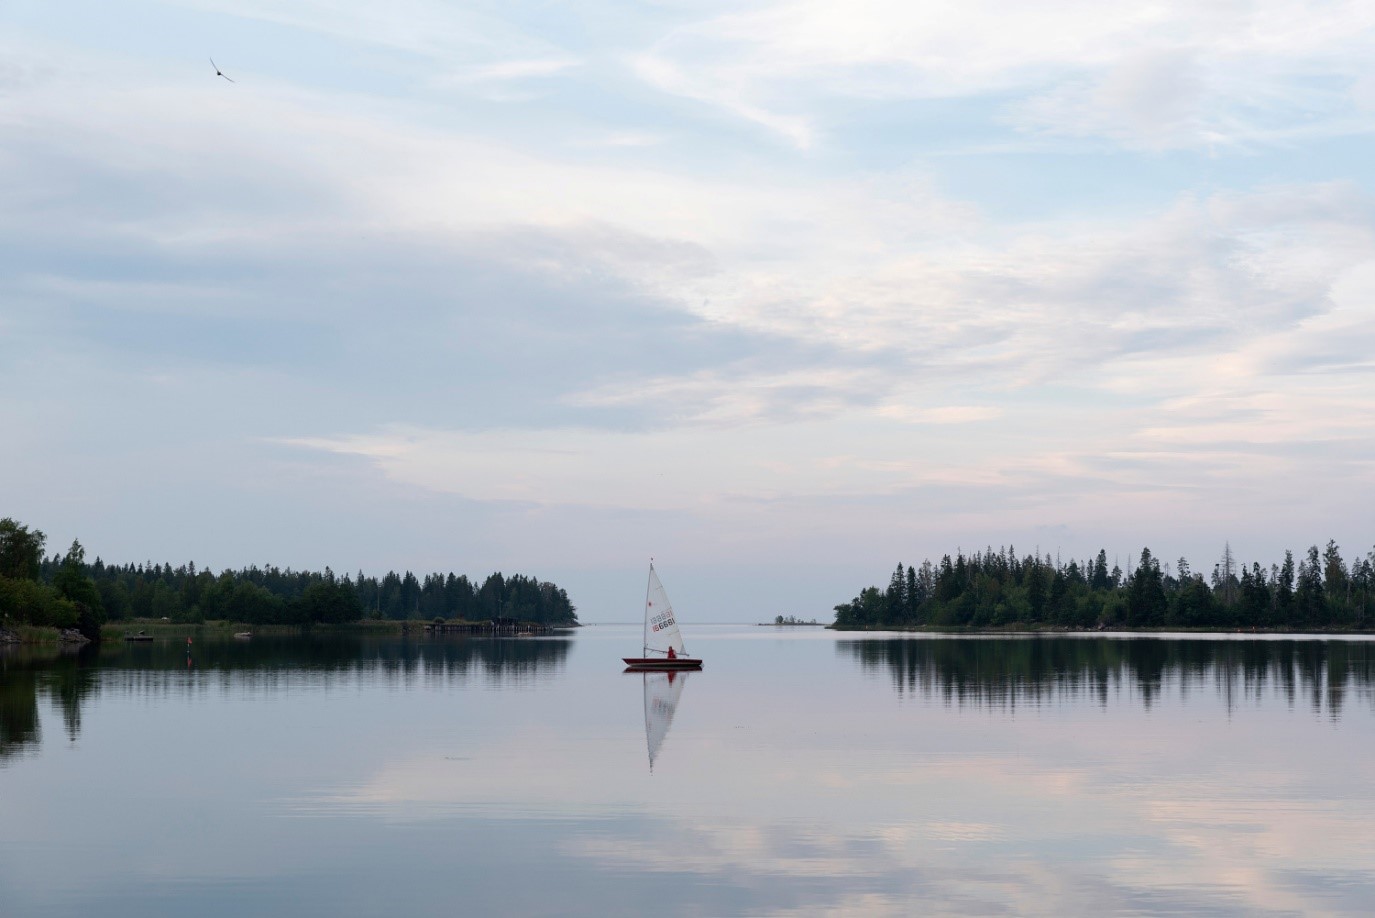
(661, 629)
(662, 691)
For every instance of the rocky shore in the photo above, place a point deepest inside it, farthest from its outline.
(67, 636)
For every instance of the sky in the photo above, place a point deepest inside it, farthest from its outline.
(780, 294)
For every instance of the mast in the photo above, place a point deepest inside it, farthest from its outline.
(644, 652)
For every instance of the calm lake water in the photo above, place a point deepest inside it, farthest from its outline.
(801, 771)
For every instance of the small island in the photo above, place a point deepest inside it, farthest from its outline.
(787, 621)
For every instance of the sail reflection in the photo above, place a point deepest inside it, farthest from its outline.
(1324, 674)
(663, 690)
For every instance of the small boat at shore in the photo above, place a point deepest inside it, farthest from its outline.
(663, 643)
(242, 635)
(141, 637)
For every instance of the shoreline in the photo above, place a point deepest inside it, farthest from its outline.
(1065, 630)
(29, 635)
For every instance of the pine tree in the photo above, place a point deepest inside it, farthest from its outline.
(913, 601)
(896, 598)
(1146, 601)
(1098, 576)
(1225, 576)
(1308, 596)
(1336, 582)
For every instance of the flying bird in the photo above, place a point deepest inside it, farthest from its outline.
(218, 72)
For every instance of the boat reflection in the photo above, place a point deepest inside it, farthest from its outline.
(663, 691)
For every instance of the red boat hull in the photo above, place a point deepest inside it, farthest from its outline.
(661, 663)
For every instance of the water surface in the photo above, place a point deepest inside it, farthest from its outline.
(801, 771)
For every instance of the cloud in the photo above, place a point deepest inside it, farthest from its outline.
(509, 80)
(1166, 75)
(523, 69)
(1152, 99)
(740, 395)
(682, 469)
(952, 414)
(420, 27)
(528, 329)
(868, 267)
(671, 78)
(627, 139)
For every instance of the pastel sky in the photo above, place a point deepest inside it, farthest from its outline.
(779, 293)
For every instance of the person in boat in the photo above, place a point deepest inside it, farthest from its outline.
(671, 654)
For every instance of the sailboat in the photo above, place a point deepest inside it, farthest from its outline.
(663, 644)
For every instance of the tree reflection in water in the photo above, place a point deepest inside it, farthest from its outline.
(1008, 671)
(72, 678)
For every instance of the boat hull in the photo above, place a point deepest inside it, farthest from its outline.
(645, 664)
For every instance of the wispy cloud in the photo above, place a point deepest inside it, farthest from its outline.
(1159, 76)
(667, 76)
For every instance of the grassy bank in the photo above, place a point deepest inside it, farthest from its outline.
(30, 634)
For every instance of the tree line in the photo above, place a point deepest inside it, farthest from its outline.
(67, 592)
(996, 588)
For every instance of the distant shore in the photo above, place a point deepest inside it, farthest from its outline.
(15, 635)
(1066, 629)
(119, 631)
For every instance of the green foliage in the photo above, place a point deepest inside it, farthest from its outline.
(30, 603)
(70, 601)
(21, 551)
(285, 597)
(72, 583)
(865, 611)
(997, 588)
(246, 601)
(326, 602)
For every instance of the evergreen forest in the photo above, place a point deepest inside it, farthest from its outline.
(995, 588)
(65, 591)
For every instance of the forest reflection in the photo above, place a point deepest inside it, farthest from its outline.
(70, 678)
(1321, 674)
